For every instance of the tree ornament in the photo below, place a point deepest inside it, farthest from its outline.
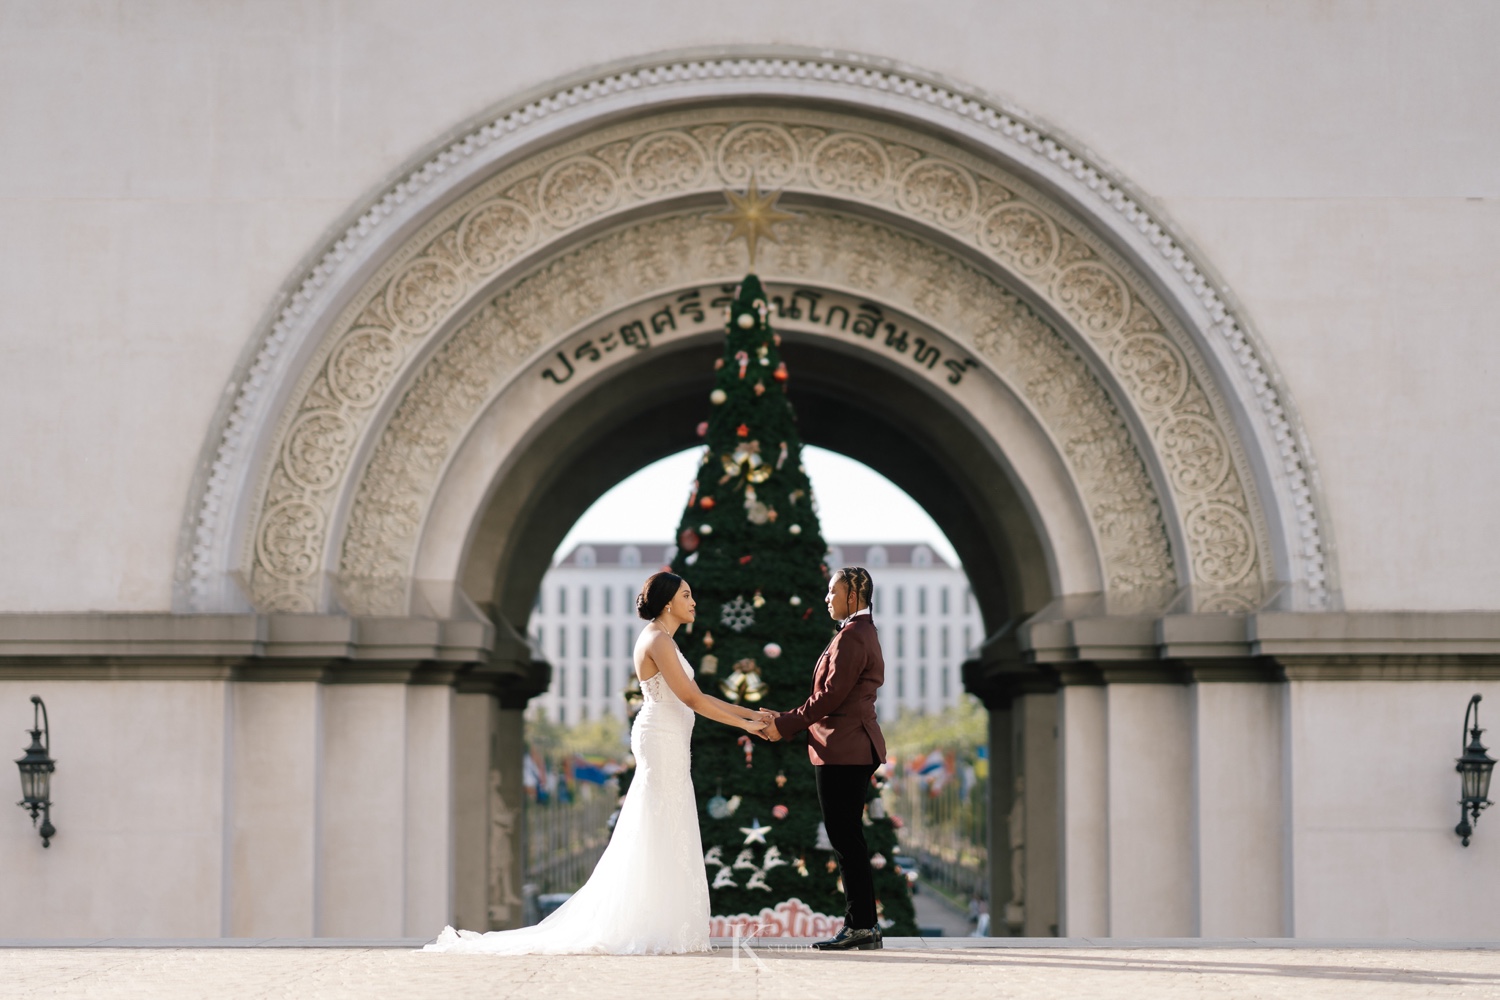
(760, 388)
(771, 514)
(780, 374)
(732, 804)
(758, 881)
(756, 512)
(709, 665)
(746, 321)
(773, 858)
(744, 683)
(718, 397)
(737, 614)
(703, 428)
(745, 861)
(708, 640)
(781, 459)
(801, 864)
(718, 809)
(877, 861)
(781, 779)
(776, 337)
(794, 601)
(745, 560)
(724, 880)
(715, 854)
(749, 747)
(718, 363)
(755, 833)
(743, 430)
(758, 600)
(707, 503)
(687, 540)
(795, 529)
(779, 811)
(744, 361)
(823, 843)
(745, 461)
(705, 528)
(832, 866)
(771, 649)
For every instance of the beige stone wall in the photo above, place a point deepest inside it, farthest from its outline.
(1333, 162)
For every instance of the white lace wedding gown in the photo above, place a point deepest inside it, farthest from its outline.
(648, 894)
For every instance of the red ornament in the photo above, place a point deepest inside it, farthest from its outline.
(807, 614)
(707, 503)
(749, 746)
(687, 540)
(743, 430)
(744, 560)
(718, 363)
(779, 812)
(780, 375)
(703, 429)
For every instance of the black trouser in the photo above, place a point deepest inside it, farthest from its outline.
(841, 795)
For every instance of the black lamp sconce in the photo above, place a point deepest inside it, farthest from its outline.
(36, 773)
(1475, 768)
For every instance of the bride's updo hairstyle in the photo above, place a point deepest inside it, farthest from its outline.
(656, 594)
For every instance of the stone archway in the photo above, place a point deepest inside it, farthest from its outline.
(1116, 438)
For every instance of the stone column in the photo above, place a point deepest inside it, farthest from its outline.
(1038, 742)
(1083, 749)
(1153, 870)
(472, 723)
(1001, 783)
(429, 743)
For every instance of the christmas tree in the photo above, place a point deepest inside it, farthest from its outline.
(751, 547)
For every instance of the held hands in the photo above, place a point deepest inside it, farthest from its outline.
(768, 731)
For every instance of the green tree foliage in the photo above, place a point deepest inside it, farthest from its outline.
(750, 545)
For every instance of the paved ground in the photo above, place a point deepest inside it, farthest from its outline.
(915, 969)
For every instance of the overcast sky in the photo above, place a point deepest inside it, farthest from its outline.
(855, 504)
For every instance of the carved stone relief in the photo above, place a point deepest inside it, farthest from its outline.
(528, 212)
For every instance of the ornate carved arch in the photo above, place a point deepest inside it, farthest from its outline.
(441, 321)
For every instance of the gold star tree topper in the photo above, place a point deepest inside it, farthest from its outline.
(752, 216)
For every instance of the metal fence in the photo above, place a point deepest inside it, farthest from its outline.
(946, 831)
(564, 839)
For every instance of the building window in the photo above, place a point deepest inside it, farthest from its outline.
(945, 671)
(921, 600)
(562, 641)
(877, 599)
(900, 600)
(583, 600)
(835, 557)
(629, 604)
(900, 639)
(968, 640)
(922, 640)
(562, 600)
(585, 556)
(900, 682)
(562, 714)
(968, 596)
(562, 682)
(921, 556)
(626, 645)
(945, 644)
(608, 600)
(538, 606)
(944, 599)
(583, 640)
(922, 682)
(609, 675)
(630, 556)
(540, 645)
(583, 680)
(877, 555)
(607, 633)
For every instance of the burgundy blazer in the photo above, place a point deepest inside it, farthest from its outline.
(840, 716)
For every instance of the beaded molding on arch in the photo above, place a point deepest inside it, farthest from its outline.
(269, 357)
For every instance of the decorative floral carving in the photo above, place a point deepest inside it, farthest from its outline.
(287, 542)
(1196, 454)
(846, 161)
(422, 293)
(1094, 296)
(494, 234)
(1023, 236)
(646, 160)
(937, 189)
(1222, 542)
(578, 189)
(1152, 368)
(664, 162)
(362, 363)
(767, 151)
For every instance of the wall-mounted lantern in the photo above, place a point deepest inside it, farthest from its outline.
(1475, 768)
(36, 772)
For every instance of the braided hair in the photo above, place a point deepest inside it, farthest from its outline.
(861, 587)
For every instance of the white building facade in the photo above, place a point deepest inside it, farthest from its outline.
(584, 624)
(322, 324)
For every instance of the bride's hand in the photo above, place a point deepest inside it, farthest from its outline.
(756, 726)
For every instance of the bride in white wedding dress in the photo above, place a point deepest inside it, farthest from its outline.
(648, 894)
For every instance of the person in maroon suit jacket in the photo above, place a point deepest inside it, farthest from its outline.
(845, 745)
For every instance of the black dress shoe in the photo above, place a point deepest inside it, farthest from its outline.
(850, 939)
